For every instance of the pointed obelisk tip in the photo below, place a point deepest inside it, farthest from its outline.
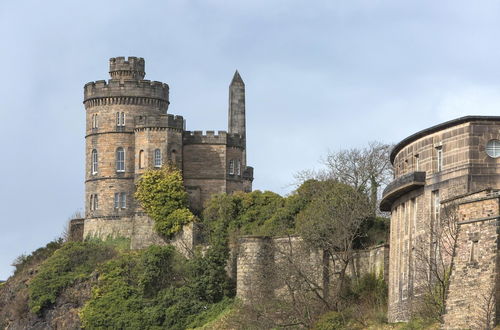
(237, 78)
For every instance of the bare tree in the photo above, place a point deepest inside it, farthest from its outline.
(434, 261)
(332, 223)
(366, 169)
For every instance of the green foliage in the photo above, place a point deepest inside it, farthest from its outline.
(335, 216)
(255, 213)
(372, 289)
(419, 323)
(36, 256)
(73, 261)
(212, 313)
(331, 321)
(117, 243)
(209, 280)
(163, 197)
(157, 288)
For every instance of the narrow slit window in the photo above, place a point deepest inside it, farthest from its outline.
(141, 159)
(238, 167)
(231, 167)
(94, 162)
(123, 198)
(158, 158)
(120, 160)
(439, 159)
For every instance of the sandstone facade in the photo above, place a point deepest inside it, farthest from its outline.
(129, 130)
(474, 292)
(435, 165)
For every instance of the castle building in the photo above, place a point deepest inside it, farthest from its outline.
(454, 162)
(128, 130)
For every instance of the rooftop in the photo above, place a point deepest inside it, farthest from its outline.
(397, 148)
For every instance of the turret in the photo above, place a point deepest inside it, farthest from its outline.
(237, 109)
(131, 68)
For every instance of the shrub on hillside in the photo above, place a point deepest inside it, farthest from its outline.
(162, 195)
(156, 288)
(36, 256)
(73, 261)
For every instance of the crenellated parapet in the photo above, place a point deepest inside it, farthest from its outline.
(222, 137)
(162, 121)
(126, 89)
(130, 68)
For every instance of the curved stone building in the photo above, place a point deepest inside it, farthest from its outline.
(445, 162)
(129, 130)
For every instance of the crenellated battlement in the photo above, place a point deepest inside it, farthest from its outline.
(162, 121)
(222, 137)
(130, 68)
(126, 88)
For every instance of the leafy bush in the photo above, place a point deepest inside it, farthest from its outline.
(36, 256)
(331, 321)
(155, 288)
(162, 195)
(73, 261)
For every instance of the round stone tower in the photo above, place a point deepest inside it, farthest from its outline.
(113, 110)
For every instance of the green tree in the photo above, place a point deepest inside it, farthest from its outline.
(333, 222)
(162, 195)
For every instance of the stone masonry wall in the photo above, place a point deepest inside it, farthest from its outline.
(473, 291)
(267, 267)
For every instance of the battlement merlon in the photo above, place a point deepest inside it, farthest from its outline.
(162, 121)
(130, 68)
(222, 137)
(126, 88)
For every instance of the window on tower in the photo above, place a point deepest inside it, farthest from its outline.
(123, 198)
(141, 159)
(231, 167)
(120, 120)
(439, 158)
(120, 160)
(95, 123)
(94, 203)
(94, 162)
(238, 167)
(158, 158)
(120, 200)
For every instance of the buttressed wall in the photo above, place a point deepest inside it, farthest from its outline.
(453, 159)
(129, 130)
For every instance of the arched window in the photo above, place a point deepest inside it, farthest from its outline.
(157, 158)
(94, 162)
(94, 121)
(141, 159)
(120, 160)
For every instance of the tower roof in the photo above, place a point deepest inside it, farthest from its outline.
(237, 79)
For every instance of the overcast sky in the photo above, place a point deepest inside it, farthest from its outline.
(319, 75)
